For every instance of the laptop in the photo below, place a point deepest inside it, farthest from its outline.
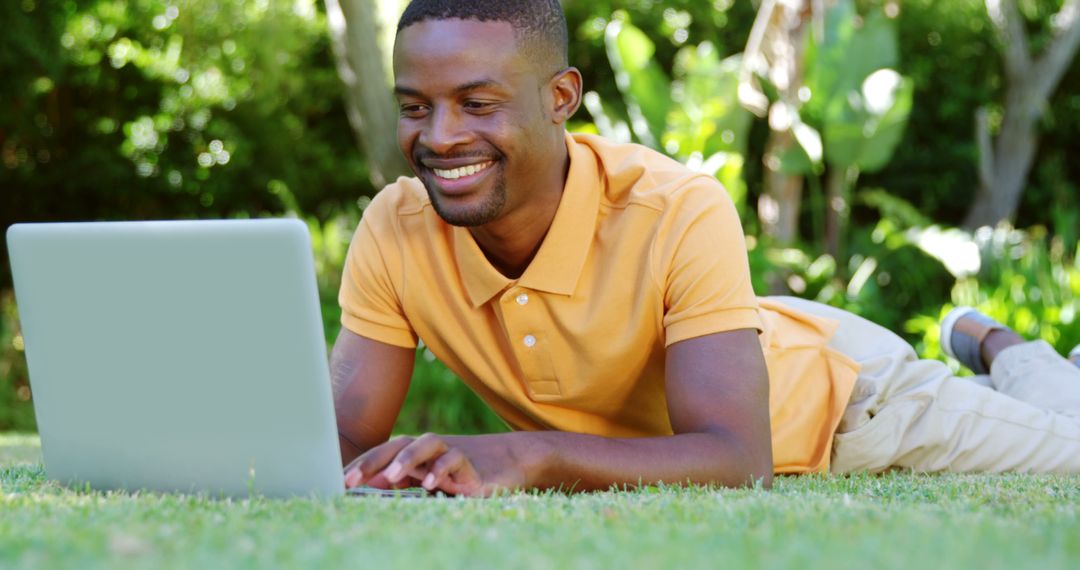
(181, 356)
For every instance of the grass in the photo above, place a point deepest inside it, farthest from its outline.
(892, 521)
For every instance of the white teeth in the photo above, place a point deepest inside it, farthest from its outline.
(462, 171)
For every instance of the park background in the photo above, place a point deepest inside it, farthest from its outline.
(892, 158)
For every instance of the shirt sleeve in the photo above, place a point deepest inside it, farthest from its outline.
(370, 302)
(703, 267)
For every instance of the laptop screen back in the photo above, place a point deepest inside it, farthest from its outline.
(178, 356)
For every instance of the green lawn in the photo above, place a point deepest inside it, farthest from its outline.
(891, 521)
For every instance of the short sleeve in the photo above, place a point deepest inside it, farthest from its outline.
(703, 267)
(370, 302)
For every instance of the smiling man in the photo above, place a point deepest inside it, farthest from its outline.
(597, 296)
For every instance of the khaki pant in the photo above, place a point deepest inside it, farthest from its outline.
(911, 413)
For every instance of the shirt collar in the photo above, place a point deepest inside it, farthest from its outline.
(558, 264)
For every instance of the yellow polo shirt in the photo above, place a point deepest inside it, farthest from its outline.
(642, 253)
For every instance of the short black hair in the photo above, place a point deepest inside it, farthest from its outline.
(539, 25)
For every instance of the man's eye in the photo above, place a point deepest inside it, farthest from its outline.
(413, 110)
(479, 105)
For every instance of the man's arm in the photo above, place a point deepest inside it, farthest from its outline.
(718, 401)
(370, 380)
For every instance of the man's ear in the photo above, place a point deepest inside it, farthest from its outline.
(565, 89)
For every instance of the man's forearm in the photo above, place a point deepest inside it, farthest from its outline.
(586, 462)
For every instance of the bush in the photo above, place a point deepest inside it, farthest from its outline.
(160, 110)
(1027, 281)
(16, 410)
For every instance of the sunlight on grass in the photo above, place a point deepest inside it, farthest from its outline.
(895, 520)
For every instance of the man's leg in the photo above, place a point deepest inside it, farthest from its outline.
(1032, 372)
(913, 413)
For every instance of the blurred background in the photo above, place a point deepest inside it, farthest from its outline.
(893, 158)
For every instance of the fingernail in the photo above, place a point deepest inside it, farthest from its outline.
(394, 471)
(429, 481)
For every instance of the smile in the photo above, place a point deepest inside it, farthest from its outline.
(463, 171)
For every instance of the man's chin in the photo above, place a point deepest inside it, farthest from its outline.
(465, 217)
(471, 213)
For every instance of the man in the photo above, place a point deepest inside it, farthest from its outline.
(597, 297)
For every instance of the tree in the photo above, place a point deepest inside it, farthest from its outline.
(354, 27)
(835, 105)
(160, 109)
(1004, 164)
(775, 50)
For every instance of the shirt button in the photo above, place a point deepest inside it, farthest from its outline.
(530, 340)
(522, 299)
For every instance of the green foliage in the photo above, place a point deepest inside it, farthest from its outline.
(16, 411)
(855, 107)
(1026, 281)
(696, 118)
(641, 80)
(950, 51)
(156, 109)
(439, 402)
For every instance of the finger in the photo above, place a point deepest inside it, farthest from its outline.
(450, 464)
(380, 482)
(425, 449)
(373, 461)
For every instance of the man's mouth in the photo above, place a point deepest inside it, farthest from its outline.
(462, 171)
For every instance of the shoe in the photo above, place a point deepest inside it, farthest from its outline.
(1074, 355)
(962, 333)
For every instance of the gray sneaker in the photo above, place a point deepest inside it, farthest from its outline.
(962, 333)
(1074, 355)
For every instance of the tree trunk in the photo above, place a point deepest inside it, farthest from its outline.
(775, 51)
(838, 196)
(369, 99)
(1004, 165)
(781, 201)
(1005, 176)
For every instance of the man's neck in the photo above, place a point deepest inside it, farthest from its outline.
(511, 242)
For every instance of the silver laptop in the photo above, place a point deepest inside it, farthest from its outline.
(178, 356)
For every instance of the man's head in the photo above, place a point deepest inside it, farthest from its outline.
(484, 93)
(539, 25)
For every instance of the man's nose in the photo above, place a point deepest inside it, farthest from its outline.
(445, 130)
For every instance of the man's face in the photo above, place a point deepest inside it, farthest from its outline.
(470, 107)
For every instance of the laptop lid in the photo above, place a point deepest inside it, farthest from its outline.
(178, 356)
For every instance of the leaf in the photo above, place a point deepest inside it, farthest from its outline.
(837, 64)
(706, 116)
(794, 161)
(605, 122)
(888, 130)
(640, 79)
(809, 140)
(864, 130)
(727, 167)
(825, 58)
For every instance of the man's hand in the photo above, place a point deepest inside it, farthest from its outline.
(475, 466)
(719, 414)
